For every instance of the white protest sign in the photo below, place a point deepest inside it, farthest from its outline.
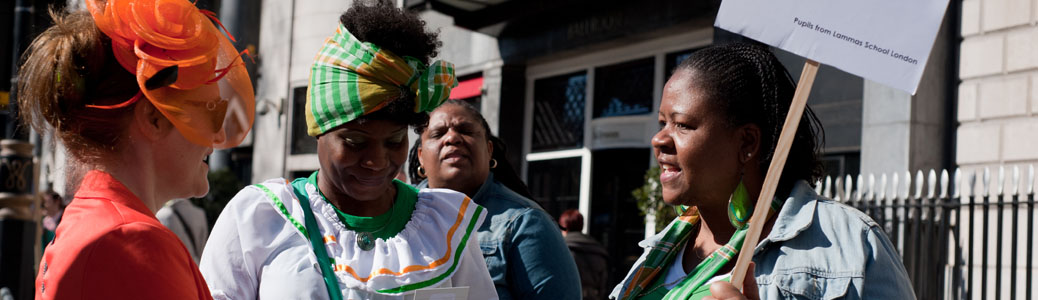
(887, 41)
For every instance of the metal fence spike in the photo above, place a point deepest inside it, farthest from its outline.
(1001, 180)
(1030, 179)
(972, 182)
(986, 182)
(957, 183)
(871, 193)
(907, 187)
(860, 187)
(828, 190)
(838, 190)
(944, 183)
(882, 187)
(1015, 190)
(919, 184)
(895, 183)
(931, 184)
(848, 188)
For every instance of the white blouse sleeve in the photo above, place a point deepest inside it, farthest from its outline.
(227, 270)
(472, 272)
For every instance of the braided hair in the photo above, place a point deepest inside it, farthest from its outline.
(750, 86)
(504, 172)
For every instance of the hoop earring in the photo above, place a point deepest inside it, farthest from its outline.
(421, 172)
(493, 163)
(739, 209)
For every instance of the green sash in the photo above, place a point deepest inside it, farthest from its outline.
(330, 281)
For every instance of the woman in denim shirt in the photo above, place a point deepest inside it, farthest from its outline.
(720, 119)
(525, 253)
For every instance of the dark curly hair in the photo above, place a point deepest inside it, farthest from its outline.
(504, 172)
(750, 85)
(400, 32)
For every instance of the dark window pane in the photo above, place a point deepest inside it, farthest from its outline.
(615, 219)
(555, 184)
(300, 174)
(301, 142)
(838, 165)
(674, 59)
(558, 112)
(624, 89)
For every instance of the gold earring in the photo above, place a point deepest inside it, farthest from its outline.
(493, 163)
(421, 171)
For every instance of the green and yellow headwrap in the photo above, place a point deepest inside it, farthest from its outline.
(351, 78)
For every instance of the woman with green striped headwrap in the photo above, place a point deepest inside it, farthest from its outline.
(349, 230)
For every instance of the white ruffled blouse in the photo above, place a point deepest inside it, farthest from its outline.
(257, 251)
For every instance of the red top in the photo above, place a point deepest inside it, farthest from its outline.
(110, 246)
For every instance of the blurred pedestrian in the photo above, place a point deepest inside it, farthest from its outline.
(523, 248)
(53, 206)
(591, 257)
(188, 222)
(139, 120)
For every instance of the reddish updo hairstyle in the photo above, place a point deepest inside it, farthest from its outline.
(571, 220)
(69, 66)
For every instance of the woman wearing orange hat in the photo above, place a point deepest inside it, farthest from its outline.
(139, 93)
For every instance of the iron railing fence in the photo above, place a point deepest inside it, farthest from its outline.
(959, 237)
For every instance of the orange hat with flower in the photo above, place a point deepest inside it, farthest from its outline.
(184, 66)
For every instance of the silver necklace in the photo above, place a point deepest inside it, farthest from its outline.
(366, 239)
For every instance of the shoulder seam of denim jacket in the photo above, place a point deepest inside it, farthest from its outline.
(854, 212)
(512, 196)
(514, 220)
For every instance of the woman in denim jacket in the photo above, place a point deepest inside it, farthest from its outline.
(720, 119)
(525, 253)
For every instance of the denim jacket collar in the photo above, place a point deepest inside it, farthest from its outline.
(796, 215)
(485, 189)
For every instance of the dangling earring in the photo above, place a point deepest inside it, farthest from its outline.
(493, 163)
(739, 209)
(421, 172)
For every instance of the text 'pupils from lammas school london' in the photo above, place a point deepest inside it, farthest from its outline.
(860, 43)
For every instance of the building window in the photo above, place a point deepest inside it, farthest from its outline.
(555, 184)
(674, 59)
(614, 214)
(302, 143)
(624, 89)
(301, 174)
(558, 116)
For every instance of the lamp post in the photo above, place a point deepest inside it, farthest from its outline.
(17, 221)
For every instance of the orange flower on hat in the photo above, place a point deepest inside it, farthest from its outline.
(203, 84)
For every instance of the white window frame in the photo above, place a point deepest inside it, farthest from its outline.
(296, 162)
(657, 48)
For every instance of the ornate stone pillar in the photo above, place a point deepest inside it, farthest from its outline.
(18, 232)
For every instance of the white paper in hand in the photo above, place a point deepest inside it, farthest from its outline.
(887, 41)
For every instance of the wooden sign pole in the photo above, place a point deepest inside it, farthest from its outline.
(778, 162)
